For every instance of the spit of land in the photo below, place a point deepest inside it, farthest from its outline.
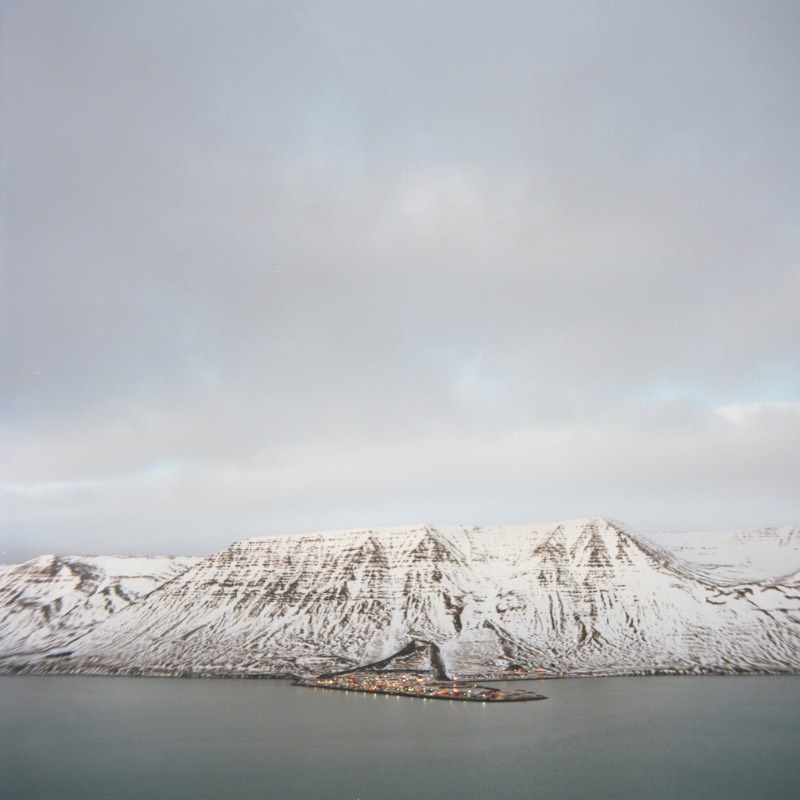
(412, 684)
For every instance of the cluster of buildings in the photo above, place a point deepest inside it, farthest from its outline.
(413, 685)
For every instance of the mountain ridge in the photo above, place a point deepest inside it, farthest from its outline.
(575, 597)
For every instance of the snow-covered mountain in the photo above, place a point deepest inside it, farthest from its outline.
(583, 596)
(738, 555)
(48, 602)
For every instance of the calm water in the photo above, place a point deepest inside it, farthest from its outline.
(645, 738)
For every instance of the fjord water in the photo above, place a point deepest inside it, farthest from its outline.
(87, 737)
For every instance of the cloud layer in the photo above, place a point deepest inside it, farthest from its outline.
(275, 267)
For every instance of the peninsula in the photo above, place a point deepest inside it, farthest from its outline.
(410, 684)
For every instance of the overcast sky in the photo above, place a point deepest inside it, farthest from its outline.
(272, 267)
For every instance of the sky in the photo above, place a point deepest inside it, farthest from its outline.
(278, 267)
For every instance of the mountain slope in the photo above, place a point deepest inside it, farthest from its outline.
(758, 553)
(50, 601)
(582, 596)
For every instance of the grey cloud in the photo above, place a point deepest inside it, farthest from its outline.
(270, 240)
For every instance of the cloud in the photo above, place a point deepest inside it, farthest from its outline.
(330, 263)
(748, 413)
(690, 466)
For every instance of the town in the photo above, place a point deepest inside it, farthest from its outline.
(414, 684)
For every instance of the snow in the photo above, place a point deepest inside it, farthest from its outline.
(580, 596)
(48, 602)
(735, 555)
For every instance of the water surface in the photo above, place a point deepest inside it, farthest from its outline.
(646, 738)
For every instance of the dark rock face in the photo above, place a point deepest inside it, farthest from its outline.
(583, 596)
